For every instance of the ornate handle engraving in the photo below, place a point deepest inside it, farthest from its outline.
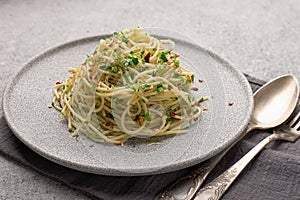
(215, 189)
(186, 187)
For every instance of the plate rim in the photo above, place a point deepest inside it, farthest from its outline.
(127, 171)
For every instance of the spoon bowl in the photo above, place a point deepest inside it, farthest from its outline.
(274, 102)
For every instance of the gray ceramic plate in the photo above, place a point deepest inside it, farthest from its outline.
(30, 92)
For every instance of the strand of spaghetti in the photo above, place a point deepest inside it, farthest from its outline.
(116, 92)
(139, 109)
(170, 42)
(143, 97)
(154, 57)
(101, 105)
(143, 74)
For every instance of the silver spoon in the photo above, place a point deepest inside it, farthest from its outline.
(289, 131)
(273, 104)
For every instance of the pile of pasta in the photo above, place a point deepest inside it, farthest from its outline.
(133, 85)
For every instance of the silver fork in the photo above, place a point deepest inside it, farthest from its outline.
(290, 131)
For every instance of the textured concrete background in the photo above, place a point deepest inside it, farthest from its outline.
(261, 38)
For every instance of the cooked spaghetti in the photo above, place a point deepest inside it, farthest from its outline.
(132, 86)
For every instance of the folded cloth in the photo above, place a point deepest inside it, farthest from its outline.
(273, 174)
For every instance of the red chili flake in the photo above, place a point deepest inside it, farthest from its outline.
(107, 124)
(195, 89)
(109, 115)
(198, 104)
(200, 81)
(147, 57)
(58, 83)
(172, 113)
(230, 103)
(205, 108)
(141, 120)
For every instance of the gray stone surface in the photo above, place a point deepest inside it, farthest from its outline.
(261, 38)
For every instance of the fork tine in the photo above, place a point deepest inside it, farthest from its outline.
(293, 123)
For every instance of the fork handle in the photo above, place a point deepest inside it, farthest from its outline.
(215, 189)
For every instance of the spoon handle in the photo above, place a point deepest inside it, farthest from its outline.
(215, 189)
(186, 187)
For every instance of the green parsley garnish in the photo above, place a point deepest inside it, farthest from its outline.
(153, 73)
(131, 61)
(193, 78)
(176, 62)
(160, 88)
(170, 113)
(148, 117)
(134, 86)
(124, 38)
(144, 86)
(201, 99)
(102, 66)
(112, 69)
(163, 57)
(135, 60)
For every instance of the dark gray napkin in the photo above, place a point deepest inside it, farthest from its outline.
(273, 174)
